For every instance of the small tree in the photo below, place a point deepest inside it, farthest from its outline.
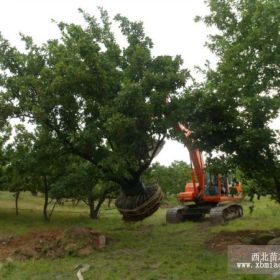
(16, 170)
(33, 163)
(82, 182)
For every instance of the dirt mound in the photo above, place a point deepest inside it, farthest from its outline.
(80, 241)
(51, 243)
(247, 237)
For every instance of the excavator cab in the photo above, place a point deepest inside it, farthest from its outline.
(223, 186)
(212, 184)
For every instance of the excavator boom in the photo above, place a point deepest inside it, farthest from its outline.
(196, 158)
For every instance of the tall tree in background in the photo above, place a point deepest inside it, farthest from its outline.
(240, 98)
(104, 103)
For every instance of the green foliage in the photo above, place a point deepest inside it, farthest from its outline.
(17, 162)
(33, 162)
(107, 104)
(231, 111)
(5, 134)
(219, 165)
(81, 181)
(172, 179)
(77, 182)
(104, 103)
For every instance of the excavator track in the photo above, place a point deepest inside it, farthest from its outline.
(186, 212)
(175, 215)
(225, 212)
(219, 214)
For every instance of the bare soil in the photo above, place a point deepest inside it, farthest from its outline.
(51, 243)
(247, 237)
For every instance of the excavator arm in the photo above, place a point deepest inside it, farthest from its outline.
(196, 158)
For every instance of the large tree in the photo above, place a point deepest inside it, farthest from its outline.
(240, 98)
(103, 102)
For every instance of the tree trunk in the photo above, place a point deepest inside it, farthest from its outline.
(94, 211)
(34, 193)
(274, 169)
(97, 208)
(109, 202)
(277, 185)
(133, 187)
(46, 200)
(91, 205)
(51, 212)
(16, 202)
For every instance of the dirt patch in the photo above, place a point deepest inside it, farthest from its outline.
(247, 237)
(51, 243)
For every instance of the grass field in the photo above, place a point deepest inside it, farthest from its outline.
(145, 250)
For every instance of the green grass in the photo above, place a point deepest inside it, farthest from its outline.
(145, 250)
(265, 216)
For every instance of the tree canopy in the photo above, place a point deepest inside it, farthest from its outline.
(104, 103)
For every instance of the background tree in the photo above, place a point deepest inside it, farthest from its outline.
(49, 165)
(171, 178)
(240, 97)
(104, 103)
(17, 164)
(83, 183)
(32, 162)
(5, 134)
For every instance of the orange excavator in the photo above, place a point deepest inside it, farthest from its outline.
(213, 194)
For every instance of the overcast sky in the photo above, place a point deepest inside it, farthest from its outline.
(170, 24)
